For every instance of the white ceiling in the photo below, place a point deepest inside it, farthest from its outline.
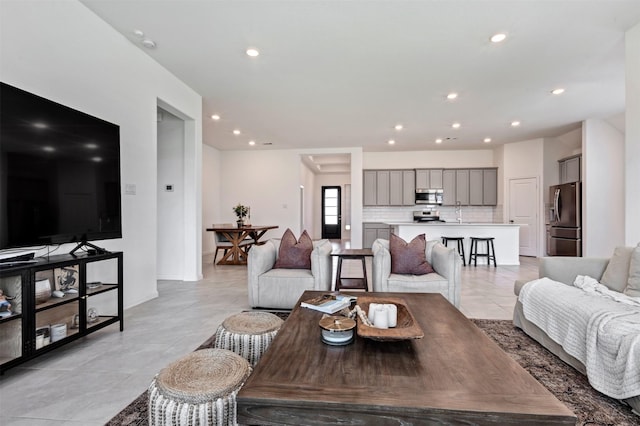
(343, 73)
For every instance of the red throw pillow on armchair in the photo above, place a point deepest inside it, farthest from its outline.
(409, 258)
(294, 254)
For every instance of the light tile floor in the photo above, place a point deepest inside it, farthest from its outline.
(90, 380)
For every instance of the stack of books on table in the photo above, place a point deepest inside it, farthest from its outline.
(329, 303)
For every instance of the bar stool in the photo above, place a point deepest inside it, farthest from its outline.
(460, 242)
(490, 254)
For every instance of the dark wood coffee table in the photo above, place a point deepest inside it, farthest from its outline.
(455, 374)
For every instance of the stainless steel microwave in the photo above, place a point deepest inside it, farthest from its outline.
(429, 196)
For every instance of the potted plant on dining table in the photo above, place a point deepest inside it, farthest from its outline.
(241, 212)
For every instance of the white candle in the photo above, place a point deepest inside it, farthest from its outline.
(392, 310)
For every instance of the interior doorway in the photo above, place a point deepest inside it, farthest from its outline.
(331, 213)
(523, 210)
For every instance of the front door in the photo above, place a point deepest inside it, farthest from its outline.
(523, 207)
(331, 213)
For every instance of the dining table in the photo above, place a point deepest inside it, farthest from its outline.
(238, 236)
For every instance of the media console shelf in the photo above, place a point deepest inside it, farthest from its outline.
(39, 321)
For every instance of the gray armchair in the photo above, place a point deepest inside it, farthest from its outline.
(445, 280)
(281, 288)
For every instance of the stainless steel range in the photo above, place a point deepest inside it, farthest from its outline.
(426, 216)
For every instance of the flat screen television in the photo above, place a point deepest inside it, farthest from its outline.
(59, 173)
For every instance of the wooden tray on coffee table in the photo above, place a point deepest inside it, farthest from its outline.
(406, 328)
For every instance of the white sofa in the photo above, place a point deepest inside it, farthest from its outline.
(281, 288)
(445, 280)
(564, 271)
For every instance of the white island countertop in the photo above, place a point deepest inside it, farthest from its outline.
(435, 223)
(506, 236)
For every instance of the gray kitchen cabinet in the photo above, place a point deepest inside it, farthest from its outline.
(382, 190)
(396, 193)
(388, 188)
(408, 187)
(449, 187)
(462, 186)
(429, 178)
(422, 179)
(570, 169)
(475, 187)
(435, 178)
(372, 231)
(490, 187)
(370, 187)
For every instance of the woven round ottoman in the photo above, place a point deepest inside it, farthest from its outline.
(248, 334)
(198, 389)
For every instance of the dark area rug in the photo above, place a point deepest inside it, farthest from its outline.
(568, 385)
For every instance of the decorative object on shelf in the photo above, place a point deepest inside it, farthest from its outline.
(58, 332)
(67, 279)
(92, 315)
(75, 321)
(4, 303)
(241, 213)
(43, 336)
(43, 291)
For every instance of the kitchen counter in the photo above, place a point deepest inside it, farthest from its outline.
(506, 242)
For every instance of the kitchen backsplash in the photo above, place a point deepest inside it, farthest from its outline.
(447, 213)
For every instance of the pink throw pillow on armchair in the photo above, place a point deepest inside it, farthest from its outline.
(294, 254)
(409, 258)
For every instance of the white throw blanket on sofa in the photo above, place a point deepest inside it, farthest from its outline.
(592, 326)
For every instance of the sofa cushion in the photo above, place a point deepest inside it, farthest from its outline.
(616, 274)
(294, 254)
(409, 258)
(633, 282)
(429, 283)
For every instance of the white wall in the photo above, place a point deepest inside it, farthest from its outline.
(211, 190)
(170, 203)
(602, 188)
(525, 160)
(429, 159)
(632, 135)
(269, 182)
(307, 180)
(62, 51)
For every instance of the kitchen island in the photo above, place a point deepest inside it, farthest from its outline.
(506, 242)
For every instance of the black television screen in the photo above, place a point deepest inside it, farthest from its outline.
(59, 173)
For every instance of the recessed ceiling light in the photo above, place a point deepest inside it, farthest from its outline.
(399, 127)
(252, 143)
(236, 132)
(91, 145)
(487, 140)
(557, 91)
(138, 33)
(40, 125)
(391, 141)
(48, 148)
(515, 123)
(456, 125)
(215, 117)
(252, 52)
(438, 140)
(452, 95)
(497, 38)
(148, 43)
(96, 159)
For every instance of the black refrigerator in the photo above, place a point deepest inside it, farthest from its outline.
(564, 230)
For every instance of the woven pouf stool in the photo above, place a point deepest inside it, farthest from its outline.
(198, 389)
(248, 334)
